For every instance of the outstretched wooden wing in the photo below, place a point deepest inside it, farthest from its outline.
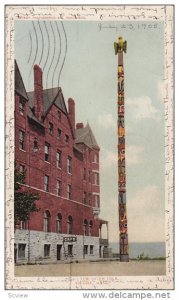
(125, 46)
(115, 48)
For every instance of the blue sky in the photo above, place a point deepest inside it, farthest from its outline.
(89, 76)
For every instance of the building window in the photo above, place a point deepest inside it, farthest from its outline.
(21, 140)
(89, 199)
(59, 115)
(69, 193)
(70, 250)
(85, 225)
(89, 176)
(85, 249)
(90, 228)
(22, 169)
(69, 225)
(46, 183)
(96, 178)
(47, 150)
(69, 165)
(59, 223)
(46, 250)
(59, 133)
(59, 159)
(95, 158)
(91, 249)
(84, 198)
(23, 225)
(84, 174)
(35, 147)
(21, 250)
(47, 221)
(50, 128)
(96, 198)
(66, 139)
(58, 188)
(21, 106)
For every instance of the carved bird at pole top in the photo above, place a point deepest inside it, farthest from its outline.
(120, 46)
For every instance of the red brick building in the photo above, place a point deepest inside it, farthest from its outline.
(61, 163)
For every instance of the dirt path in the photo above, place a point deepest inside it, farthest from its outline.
(107, 268)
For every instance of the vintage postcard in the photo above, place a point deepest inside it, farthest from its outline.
(89, 147)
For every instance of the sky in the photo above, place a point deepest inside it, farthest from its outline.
(89, 76)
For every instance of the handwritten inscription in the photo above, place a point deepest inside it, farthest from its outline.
(129, 26)
(81, 12)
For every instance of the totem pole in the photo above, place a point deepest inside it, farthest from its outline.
(120, 47)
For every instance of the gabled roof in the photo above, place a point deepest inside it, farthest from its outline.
(50, 96)
(86, 136)
(33, 117)
(19, 84)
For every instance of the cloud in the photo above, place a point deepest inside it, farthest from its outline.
(142, 108)
(108, 159)
(145, 209)
(107, 120)
(145, 213)
(133, 154)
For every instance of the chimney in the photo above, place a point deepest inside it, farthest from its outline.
(38, 92)
(71, 112)
(79, 125)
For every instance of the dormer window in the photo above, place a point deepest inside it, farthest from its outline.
(21, 106)
(50, 128)
(59, 115)
(59, 133)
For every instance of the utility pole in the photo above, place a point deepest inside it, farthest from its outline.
(120, 47)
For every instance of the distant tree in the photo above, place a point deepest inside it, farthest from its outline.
(24, 202)
(142, 256)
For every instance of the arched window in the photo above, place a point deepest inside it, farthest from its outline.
(47, 221)
(85, 224)
(59, 223)
(69, 225)
(90, 228)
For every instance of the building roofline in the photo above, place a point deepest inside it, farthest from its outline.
(23, 86)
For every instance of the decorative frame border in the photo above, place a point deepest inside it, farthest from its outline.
(144, 13)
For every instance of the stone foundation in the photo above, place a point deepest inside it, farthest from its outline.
(44, 247)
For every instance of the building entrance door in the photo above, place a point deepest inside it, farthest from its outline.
(15, 253)
(100, 254)
(59, 247)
